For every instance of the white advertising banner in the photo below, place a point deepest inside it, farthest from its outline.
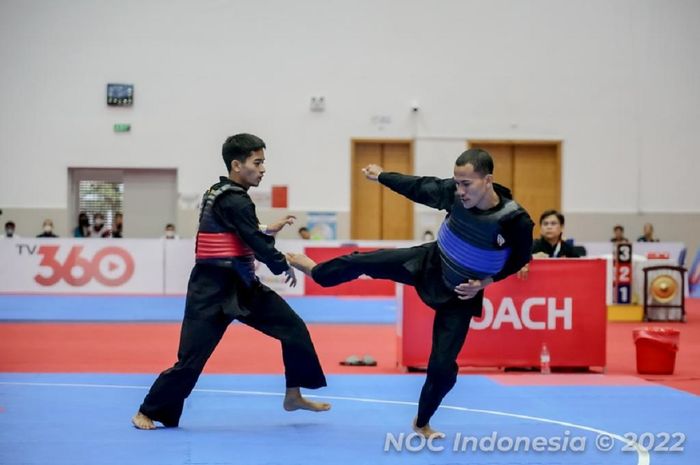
(81, 266)
(125, 266)
(663, 250)
(179, 260)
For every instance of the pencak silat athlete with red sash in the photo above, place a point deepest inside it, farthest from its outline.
(223, 287)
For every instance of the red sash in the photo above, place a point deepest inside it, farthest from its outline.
(220, 245)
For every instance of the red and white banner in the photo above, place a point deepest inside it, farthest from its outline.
(276, 282)
(179, 260)
(112, 266)
(363, 286)
(562, 304)
(102, 266)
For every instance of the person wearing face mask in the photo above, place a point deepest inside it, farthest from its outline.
(223, 286)
(9, 231)
(47, 229)
(118, 225)
(170, 232)
(485, 237)
(83, 228)
(99, 228)
(551, 244)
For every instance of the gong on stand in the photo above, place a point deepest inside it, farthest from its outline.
(664, 293)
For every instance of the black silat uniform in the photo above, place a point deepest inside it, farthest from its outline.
(223, 287)
(471, 244)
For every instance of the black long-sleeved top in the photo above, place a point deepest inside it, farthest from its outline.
(440, 194)
(212, 287)
(236, 211)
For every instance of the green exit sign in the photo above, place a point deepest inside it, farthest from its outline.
(123, 127)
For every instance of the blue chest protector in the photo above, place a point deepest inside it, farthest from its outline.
(472, 244)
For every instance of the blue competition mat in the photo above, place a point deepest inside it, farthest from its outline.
(83, 419)
(161, 308)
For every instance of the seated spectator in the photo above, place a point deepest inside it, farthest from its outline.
(47, 229)
(648, 235)
(118, 225)
(170, 232)
(551, 244)
(9, 231)
(83, 228)
(304, 233)
(619, 235)
(99, 228)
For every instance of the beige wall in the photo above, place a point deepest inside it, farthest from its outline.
(535, 81)
(270, 215)
(670, 227)
(28, 221)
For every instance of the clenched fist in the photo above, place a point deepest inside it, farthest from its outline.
(372, 172)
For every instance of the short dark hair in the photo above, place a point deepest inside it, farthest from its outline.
(480, 159)
(10, 223)
(169, 225)
(617, 226)
(547, 213)
(239, 147)
(303, 228)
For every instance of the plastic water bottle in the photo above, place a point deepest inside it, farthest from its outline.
(544, 360)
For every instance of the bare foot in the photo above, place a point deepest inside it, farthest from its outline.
(426, 431)
(301, 262)
(293, 400)
(141, 421)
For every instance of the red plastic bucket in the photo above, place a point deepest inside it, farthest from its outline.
(656, 350)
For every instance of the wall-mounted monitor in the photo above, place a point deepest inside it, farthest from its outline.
(120, 95)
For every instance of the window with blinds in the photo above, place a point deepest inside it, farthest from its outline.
(101, 196)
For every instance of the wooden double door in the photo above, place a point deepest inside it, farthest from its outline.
(531, 170)
(376, 212)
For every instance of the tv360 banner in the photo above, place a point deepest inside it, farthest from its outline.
(561, 303)
(109, 266)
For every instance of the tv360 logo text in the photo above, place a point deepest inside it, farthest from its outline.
(110, 266)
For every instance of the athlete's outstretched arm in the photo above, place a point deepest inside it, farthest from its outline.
(432, 192)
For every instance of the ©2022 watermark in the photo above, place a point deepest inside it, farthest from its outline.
(565, 442)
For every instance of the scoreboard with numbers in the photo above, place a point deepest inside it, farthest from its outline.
(623, 273)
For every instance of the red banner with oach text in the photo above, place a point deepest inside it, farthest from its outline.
(560, 304)
(364, 286)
